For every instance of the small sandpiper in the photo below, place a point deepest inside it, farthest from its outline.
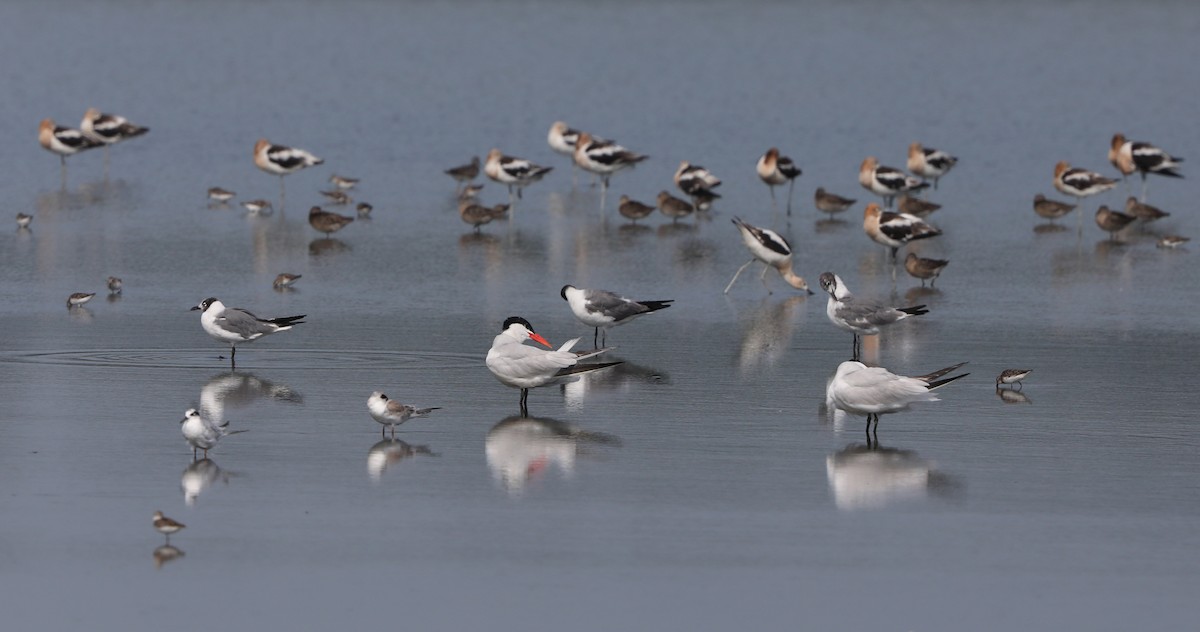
(217, 194)
(1012, 376)
(257, 206)
(285, 280)
(23, 220)
(79, 298)
(165, 525)
(363, 209)
(1173, 241)
(343, 182)
(337, 196)
(115, 284)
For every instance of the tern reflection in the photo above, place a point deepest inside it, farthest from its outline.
(388, 452)
(619, 378)
(865, 476)
(238, 390)
(166, 553)
(199, 476)
(767, 333)
(522, 449)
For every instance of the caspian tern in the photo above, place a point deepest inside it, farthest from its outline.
(523, 367)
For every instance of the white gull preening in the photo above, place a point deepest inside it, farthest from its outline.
(858, 316)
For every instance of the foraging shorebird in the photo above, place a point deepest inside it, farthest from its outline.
(916, 206)
(1129, 156)
(391, 413)
(79, 298)
(922, 268)
(285, 280)
(464, 174)
(857, 316)
(873, 391)
(1173, 241)
(342, 182)
(1012, 376)
(894, 230)
(281, 160)
(929, 163)
(1144, 211)
(831, 202)
(24, 220)
(217, 194)
(63, 141)
(513, 172)
(165, 525)
(327, 222)
(337, 197)
(673, 207)
(602, 309)
(603, 158)
(886, 182)
(772, 250)
(774, 170)
(234, 325)
(1050, 209)
(634, 210)
(1112, 221)
(519, 366)
(477, 215)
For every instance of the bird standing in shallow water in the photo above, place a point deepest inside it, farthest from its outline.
(858, 316)
(391, 413)
(929, 163)
(602, 309)
(773, 250)
(234, 326)
(281, 160)
(873, 391)
(165, 525)
(774, 170)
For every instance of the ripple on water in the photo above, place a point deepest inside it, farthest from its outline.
(327, 359)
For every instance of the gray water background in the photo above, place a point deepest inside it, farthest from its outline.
(713, 491)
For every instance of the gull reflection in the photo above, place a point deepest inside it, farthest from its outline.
(199, 476)
(238, 390)
(619, 378)
(1011, 396)
(389, 452)
(767, 334)
(862, 476)
(521, 449)
(166, 553)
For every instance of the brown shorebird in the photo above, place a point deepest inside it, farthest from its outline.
(922, 268)
(1050, 209)
(1112, 221)
(831, 202)
(327, 222)
(673, 207)
(633, 210)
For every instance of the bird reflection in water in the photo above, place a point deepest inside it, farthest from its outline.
(1011, 396)
(618, 378)
(238, 390)
(767, 333)
(80, 314)
(166, 553)
(327, 246)
(521, 449)
(199, 476)
(388, 452)
(863, 476)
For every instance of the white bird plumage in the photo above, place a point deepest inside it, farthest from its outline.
(519, 366)
(862, 390)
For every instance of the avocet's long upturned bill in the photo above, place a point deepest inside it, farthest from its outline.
(873, 391)
(894, 230)
(234, 326)
(858, 316)
(774, 170)
(603, 309)
(773, 250)
(280, 160)
(525, 367)
(603, 158)
(513, 172)
(108, 129)
(391, 413)
(886, 182)
(929, 163)
(201, 433)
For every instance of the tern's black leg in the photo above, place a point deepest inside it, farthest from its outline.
(524, 402)
(595, 337)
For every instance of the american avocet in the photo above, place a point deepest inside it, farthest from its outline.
(886, 182)
(391, 413)
(929, 163)
(603, 158)
(831, 202)
(857, 316)
(1144, 211)
(772, 250)
(1129, 156)
(477, 215)
(634, 210)
(217, 194)
(922, 268)
(23, 220)
(1080, 183)
(63, 141)
(326, 221)
(873, 391)
(285, 280)
(1173, 241)
(1012, 376)
(602, 309)
(673, 207)
(895, 229)
(464, 174)
(280, 160)
(562, 139)
(1050, 209)
(691, 178)
(774, 170)
(337, 196)
(511, 171)
(1112, 221)
(108, 129)
(916, 206)
(523, 367)
(342, 182)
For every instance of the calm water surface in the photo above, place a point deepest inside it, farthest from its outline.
(700, 485)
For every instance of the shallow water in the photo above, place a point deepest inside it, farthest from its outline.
(699, 485)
